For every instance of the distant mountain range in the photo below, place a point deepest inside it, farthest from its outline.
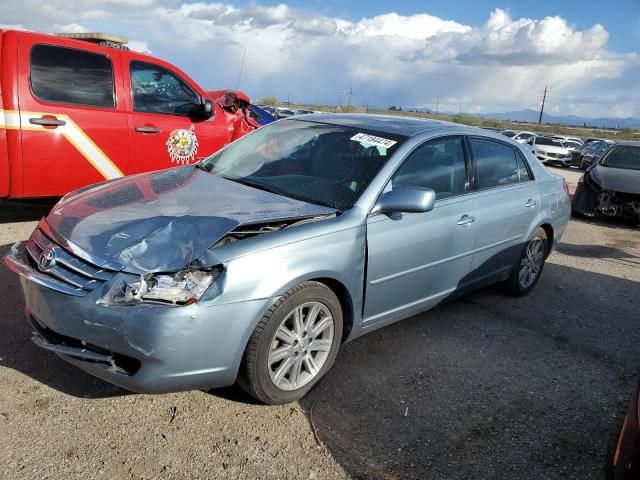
(531, 116)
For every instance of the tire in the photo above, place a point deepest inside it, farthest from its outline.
(515, 285)
(295, 365)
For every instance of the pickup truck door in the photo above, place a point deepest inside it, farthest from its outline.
(71, 113)
(165, 128)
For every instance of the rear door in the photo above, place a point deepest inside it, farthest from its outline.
(415, 260)
(71, 117)
(508, 203)
(165, 128)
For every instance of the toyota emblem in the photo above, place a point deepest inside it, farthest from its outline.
(47, 259)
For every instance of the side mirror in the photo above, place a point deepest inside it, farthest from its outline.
(407, 200)
(207, 108)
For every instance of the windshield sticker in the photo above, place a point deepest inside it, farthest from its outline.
(182, 145)
(373, 140)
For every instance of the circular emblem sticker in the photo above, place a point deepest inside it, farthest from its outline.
(182, 145)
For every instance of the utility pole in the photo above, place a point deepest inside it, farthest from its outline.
(350, 92)
(244, 52)
(544, 97)
(437, 105)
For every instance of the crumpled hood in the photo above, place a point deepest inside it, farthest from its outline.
(617, 179)
(161, 221)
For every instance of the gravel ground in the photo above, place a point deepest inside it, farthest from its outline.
(486, 386)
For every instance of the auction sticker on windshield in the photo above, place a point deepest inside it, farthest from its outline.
(373, 140)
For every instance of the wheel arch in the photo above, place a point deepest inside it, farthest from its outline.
(548, 229)
(346, 302)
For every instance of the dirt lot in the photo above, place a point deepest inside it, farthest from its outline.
(483, 387)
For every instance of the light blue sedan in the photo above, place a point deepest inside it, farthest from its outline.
(255, 265)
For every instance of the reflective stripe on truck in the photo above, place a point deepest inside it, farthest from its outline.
(11, 119)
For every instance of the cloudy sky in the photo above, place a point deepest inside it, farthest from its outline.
(472, 55)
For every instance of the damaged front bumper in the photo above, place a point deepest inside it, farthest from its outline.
(591, 199)
(146, 348)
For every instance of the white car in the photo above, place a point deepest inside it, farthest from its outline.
(520, 137)
(550, 151)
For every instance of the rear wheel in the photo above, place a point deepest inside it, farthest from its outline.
(526, 272)
(294, 345)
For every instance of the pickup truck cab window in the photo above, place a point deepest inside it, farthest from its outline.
(158, 90)
(66, 75)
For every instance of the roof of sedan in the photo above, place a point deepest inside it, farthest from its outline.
(397, 125)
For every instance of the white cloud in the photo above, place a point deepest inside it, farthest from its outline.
(419, 26)
(139, 46)
(503, 63)
(69, 28)
(12, 26)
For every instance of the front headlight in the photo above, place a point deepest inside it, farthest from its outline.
(182, 288)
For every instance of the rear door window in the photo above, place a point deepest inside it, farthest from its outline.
(67, 75)
(496, 163)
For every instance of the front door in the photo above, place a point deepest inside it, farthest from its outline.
(165, 127)
(72, 119)
(416, 260)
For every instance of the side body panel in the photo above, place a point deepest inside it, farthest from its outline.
(505, 216)
(88, 146)
(10, 135)
(4, 155)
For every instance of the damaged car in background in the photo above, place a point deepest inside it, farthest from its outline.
(256, 264)
(611, 187)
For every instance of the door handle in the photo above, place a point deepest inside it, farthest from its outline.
(466, 220)
(145, 129)
(47, 121)
(530, 203)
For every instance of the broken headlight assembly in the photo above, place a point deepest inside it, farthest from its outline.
(182, 288)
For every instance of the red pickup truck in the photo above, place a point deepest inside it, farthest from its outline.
(80, 109)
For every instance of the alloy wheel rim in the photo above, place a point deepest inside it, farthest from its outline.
(301, 345)
(531, 262)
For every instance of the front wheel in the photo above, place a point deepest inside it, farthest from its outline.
(526, 272)
(294, 345)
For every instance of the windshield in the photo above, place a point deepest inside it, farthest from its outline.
(548, 141)
(572, 144)
(622, 156)
(509, 133)
(318, 163)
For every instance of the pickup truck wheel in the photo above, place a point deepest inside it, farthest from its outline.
(527, 270)
(294, 345)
